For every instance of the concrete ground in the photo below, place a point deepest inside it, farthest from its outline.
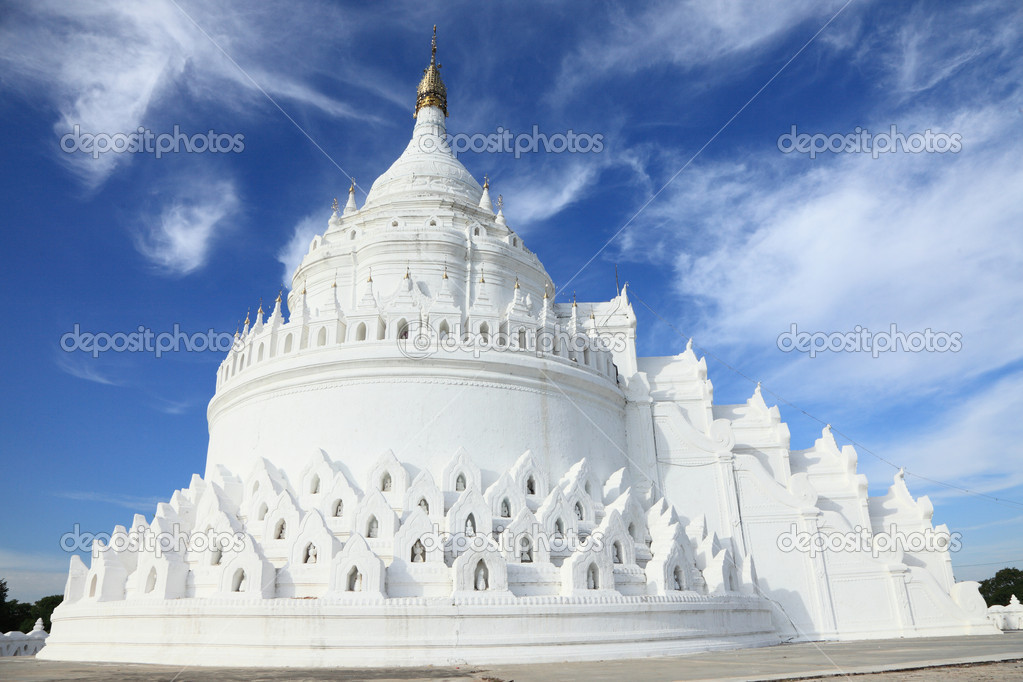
(994, 657)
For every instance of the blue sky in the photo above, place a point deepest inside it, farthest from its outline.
(732, 250)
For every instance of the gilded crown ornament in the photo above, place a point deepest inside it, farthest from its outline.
(431, 91)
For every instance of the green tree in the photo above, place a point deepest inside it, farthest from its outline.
(16, 615)
(44, 609)
(1005, 583)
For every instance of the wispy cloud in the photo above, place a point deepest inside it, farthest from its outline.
(292, 253)
(179, 241)
(83, 366)
(136, 504)
(682, 34)
(108, 66)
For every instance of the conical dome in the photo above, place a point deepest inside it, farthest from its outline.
(427, 167)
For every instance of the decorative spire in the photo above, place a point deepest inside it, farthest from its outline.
(350, 206)
(482, 280)
(334, 207)
(431, 91)
(259, 312)
(247, 318)
(517, 283)
(408, 272)
(279, 295)
(485, 203)
(370, 278)
(445, 271)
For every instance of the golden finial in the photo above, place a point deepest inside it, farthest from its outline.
(445, 271)
(591, 315)
(279, 295)
(259, 313)
(516, 282)
(408, 272)
(335, 207)
(431, 91)
(303, 288)
(236, 330)
(486, 182)
(351, 190)
(482, 280)
(247, 317)
(574, 304)
(545, 296)
(370, 278)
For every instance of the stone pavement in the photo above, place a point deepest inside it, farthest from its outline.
(788, 661)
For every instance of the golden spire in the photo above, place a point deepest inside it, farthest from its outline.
(247, 318)
(486, 182)
(279, 295)
(259, 313)
(445, 271)
(370, 278)
(482, 280)
(431, 91)
(408, 272)
(516, 282)
(351, 190)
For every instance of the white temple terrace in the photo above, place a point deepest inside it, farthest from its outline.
(429, 462)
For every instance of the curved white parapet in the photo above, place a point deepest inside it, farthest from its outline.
(19, 644)
(404, 632)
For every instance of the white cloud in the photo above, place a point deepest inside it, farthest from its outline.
(136, 504)
(292, 253)
(179, 241)
(106, 65)
(973, 443)
(33, 576)
(684, 34)
(83, 366)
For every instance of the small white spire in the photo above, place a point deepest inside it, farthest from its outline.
(485, 202)
(350, 207)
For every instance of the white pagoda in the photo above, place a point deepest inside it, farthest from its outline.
(429, 461)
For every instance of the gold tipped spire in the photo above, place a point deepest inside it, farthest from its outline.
(335, 207)
(408, 272)
(486, 182)
(431, 91)
(370, 278)
(279, 295)
(516, 282)
(445, 271)
(351, 190)
(247, 318)
(259, 313)
(482, 280)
